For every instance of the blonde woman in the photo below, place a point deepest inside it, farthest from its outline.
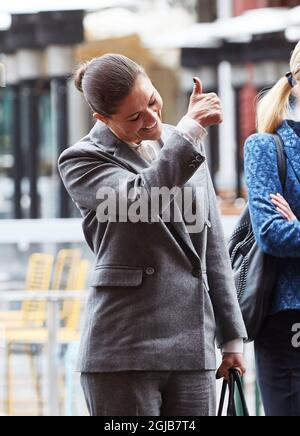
(275, 213)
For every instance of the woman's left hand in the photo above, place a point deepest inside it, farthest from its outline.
(283, 207)
(230, 361)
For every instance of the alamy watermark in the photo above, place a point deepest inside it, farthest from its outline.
(2, 76)
(138, 205)
(296, 337)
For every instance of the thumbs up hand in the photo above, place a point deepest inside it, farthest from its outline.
(198, 88)
(204, 108)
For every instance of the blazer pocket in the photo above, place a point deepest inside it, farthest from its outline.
(117, 276)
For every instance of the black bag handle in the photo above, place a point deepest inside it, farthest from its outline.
(234, 380)
(281, 156)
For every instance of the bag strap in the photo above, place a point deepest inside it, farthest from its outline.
(231, 409)
(234, 380)
(222, 400)
(281, 157)
(237, 378)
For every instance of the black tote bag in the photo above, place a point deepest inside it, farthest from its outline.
(255, 273)
(233, 383)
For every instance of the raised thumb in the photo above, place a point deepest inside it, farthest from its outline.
(198, 88)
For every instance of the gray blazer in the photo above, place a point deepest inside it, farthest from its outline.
(159, 295)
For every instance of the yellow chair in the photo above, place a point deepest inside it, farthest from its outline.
(72, 311)
(66, 269)
(38, 278)
(66, 276)
(33, 313)
(39, 336)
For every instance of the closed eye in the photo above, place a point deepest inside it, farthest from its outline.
(136, 118)
(152, 103)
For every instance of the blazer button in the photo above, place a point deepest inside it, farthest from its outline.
(197, 273)
(150, 271)
(199, 158)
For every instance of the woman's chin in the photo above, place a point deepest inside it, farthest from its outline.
(153, 135)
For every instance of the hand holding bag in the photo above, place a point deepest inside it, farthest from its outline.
(234, 381)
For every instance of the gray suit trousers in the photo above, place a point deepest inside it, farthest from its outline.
(144, 393)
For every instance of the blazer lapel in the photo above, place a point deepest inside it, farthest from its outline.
(131, 157)
(104, 138)
(292, 147)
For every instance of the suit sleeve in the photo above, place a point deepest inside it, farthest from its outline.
(229, 320)
(274, 234)
(89, 174)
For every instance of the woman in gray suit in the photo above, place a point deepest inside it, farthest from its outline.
(162, 289)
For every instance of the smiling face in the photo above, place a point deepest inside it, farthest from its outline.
(139, 115)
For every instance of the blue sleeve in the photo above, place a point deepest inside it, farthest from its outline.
(274, 234)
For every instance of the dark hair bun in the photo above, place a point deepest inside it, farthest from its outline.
(79, 75)
(106, 81)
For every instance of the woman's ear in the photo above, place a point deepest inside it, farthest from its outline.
(100, 117)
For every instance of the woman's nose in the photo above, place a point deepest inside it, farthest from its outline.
(150, 118)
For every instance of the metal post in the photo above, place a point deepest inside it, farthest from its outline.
(31, 141)
(30, 65)
(60, 113)
(226, 176)
(59, 31)
(53, 357)
(17, 150)
(60, 61)
(12, 82)
(239, 157)
(224, 8)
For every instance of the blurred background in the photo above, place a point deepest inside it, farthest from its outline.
(236, 47)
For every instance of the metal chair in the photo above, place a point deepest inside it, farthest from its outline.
(38, 278)
(36, 336)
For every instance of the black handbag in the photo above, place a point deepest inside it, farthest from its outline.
(255, 273)
(234, 381)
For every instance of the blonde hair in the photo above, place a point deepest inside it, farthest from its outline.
(274, 107)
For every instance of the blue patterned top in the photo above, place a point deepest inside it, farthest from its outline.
(274, 234)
